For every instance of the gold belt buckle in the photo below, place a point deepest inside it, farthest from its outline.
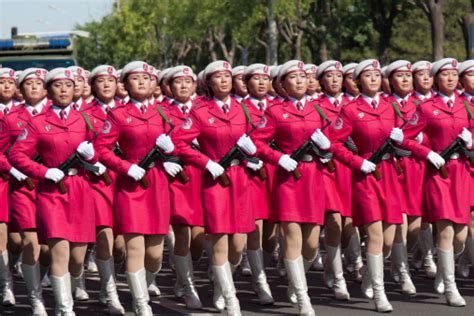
(72, 172)
(235, 162)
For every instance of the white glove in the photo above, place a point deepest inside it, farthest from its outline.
(324, 160)
(102, 169)
(287, 163)
(17, 174)
(466, 136)
(247, 145)
(397, 135)
(195, 142)
(436, 159)
(86, 150)
(419, 138)
(172, 168)
(165, 143)
(54, 174)
(368, 167)
(255, 166)
(135, 172)
(321, 140)
(214, 169)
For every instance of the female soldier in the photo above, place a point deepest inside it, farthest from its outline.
(337, 184)
(410, 171)
(443, 119)
(257, 80)
(22, 194)
(314, 88)
(7, 90)
(351, 90)
(290, 124)
(368, 120)
(186, 206)
(218, 124)
(103, 82)
(142, 212)
(64, 221)
(239, 90)
(79, 85)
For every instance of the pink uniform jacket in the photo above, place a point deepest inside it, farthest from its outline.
(4, 169)
(186, 203)
(292, 200)
(464, 97)
(67, 216)
(444, 199)
(137, 210)
(372, 200)
(226, 209)
(337, 185)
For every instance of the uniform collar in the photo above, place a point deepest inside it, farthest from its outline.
(256, 102)
(38, 107)
(422, 96)
(332, 99)
(295, 101)
(104, 106)
(369, 99)
(349, 96)
(58, 109)
(138, 104)
(78, 103)
(189, 104)
(9, 105)
(221, 103)
(446, 98)
(468, 96)
(400, 99)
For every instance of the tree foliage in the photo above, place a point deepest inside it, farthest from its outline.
(195, 32)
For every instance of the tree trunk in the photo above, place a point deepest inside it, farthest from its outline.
(437, 27)
(272, 34)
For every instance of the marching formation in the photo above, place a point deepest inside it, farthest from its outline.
(249, 163)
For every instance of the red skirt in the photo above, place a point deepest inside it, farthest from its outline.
(143, 211)
(226, 210)
(3, 201)
(338, 189)
(258, 193)
(103, 200)
(448, 199)
(186, 203)
(22, 205)
(374, 200)
(67, 216)
(302, 200)
(412, 181)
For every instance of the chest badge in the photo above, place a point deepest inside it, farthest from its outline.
(47, 128)
(19, 124)
(285, 115)
(361, 115)
(129, 120)
(435, 112)
(212, 120)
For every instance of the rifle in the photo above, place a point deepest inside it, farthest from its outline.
(118, 152)
(386, 147)
(156, 154)
(27, 182)
(73, 160)
(310, 145)
(456, 146)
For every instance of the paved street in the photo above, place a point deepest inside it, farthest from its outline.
(425, 303)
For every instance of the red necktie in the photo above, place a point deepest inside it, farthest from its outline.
(374, 104)
(75, 106)
(225, 108)
(336, 103)
(63, 115)
(143, 108)
(403, 103)
(261, 106)
(299, 106)
(450, 103)
(34, 112)
(6, 111)
(184, 108)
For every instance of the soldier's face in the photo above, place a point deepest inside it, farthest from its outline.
(422, 80)
(313, 84)
(295, 84)
(182, 89)
(221, 83)
(239, 86)
(258, 86)
(402, 82)
(350, 85)
(87, 91)
(121, 92)
(153, 85)
(32, 90)
(138, 86)
(370, 82)
(105, 88)
(7, 88)
(467, 81)
(61, 92)
(332, 82)
(447, 81)
(78, 87)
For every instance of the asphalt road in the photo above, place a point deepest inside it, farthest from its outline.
(426, 302)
